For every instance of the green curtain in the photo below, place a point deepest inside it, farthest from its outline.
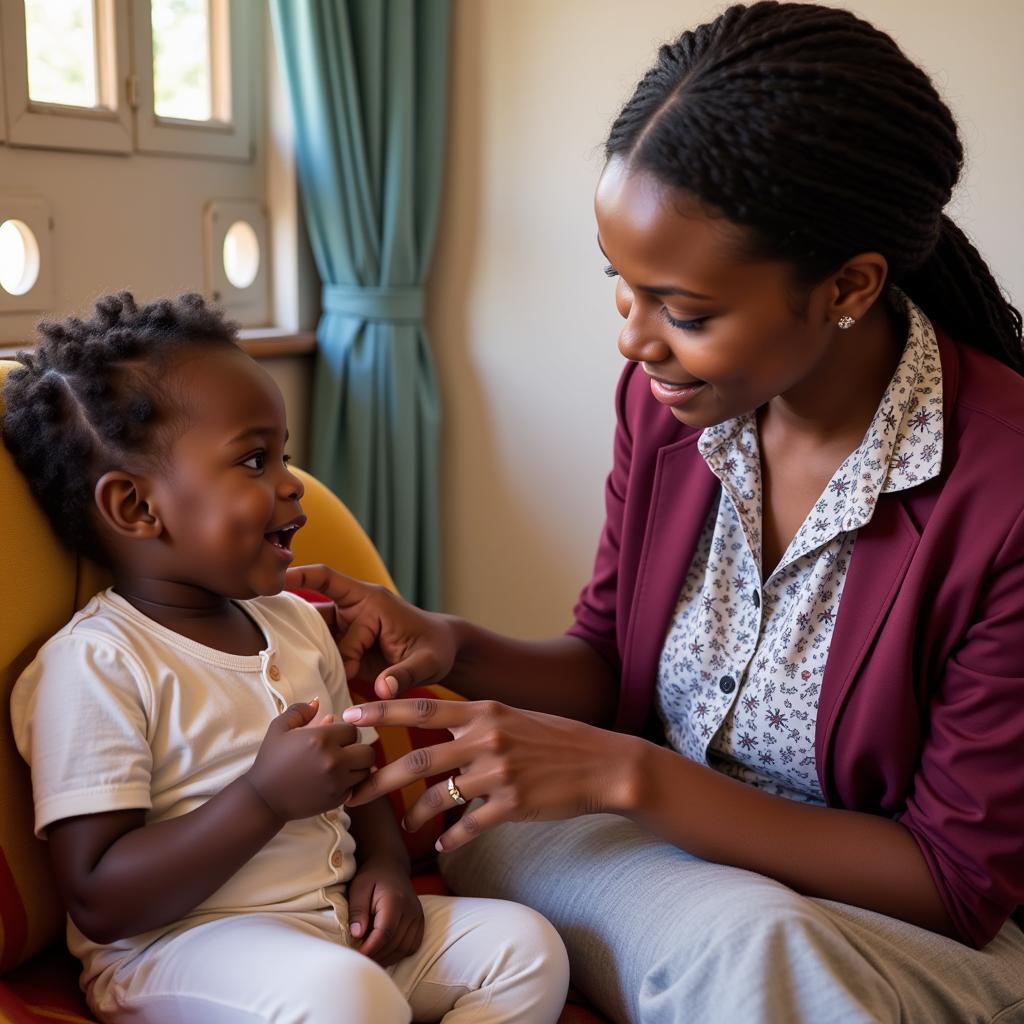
(367, 81)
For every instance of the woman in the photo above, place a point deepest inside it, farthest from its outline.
(808, 596)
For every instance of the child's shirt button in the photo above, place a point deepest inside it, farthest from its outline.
(274, 672)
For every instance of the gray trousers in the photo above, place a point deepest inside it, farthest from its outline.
(657, 936)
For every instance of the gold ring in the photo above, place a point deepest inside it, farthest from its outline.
(453, 791)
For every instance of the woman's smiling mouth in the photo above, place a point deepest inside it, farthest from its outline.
(669, 393)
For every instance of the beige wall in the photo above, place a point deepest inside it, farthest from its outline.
(520, 313)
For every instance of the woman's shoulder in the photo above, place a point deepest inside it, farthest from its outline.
(988, 402)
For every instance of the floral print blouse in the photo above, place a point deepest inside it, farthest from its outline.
(742, 663)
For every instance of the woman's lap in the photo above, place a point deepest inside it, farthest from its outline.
(660, 937)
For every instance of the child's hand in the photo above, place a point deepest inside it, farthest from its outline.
(384, 912)
(304, 767)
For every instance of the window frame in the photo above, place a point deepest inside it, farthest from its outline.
(36, 213)
(249, 306)
(229, 138)
(127, 123)
(102, 129)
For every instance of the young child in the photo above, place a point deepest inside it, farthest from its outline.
(188, 766)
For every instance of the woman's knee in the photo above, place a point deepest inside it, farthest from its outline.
(792, 956)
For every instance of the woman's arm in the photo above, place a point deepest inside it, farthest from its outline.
(119, 876)
(385, 639)
(531, 766)
(562, 676)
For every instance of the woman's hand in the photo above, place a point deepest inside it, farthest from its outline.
(526, 765)
(384, 911)
(379, 635)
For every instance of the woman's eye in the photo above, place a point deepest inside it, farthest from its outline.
(610, 271)
(256, 461)
(684, 325)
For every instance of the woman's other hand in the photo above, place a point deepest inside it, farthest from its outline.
(526, 765)
(380, 636)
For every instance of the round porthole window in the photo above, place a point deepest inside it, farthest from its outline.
(241, 254)
(19, 257)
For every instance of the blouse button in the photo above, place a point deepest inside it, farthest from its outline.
(727, 684)
(274, 672)
(337, 859)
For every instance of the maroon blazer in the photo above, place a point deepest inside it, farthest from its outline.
(921, 710)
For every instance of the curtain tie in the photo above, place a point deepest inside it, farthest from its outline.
(394, 302)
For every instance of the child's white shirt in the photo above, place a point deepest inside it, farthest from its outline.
(118, 712)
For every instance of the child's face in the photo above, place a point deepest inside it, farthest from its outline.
(227, 501)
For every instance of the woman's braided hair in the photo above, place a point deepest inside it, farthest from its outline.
(92, 396)
(811, 128)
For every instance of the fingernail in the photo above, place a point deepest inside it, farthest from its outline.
(439, 846)
(314, 700)
(405, 827)
(392, 685)
(356, 929)
(352, 714)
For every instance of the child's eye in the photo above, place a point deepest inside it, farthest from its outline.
(684, 325)
(286, 459)
(256, 461)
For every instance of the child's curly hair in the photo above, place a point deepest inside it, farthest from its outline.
(92, 396)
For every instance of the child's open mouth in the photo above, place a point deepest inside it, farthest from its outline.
(281, 538)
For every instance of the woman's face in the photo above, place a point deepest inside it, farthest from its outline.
(716, 333)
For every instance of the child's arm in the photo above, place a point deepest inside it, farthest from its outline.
(384, 910)
(119, 876)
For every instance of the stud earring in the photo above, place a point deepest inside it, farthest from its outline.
(845, 322)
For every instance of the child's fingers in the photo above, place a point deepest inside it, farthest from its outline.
(385, 929)
(359, 895)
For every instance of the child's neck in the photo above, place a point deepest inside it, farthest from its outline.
(198, 614)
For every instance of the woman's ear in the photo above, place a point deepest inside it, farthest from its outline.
(125, 508)
(857, 286)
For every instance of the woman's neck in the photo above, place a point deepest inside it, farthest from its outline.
(833, 407)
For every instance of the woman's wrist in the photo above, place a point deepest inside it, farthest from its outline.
(636, 760)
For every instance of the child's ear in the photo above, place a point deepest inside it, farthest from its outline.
(123, 504)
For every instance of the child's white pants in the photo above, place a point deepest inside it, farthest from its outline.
(481, 961)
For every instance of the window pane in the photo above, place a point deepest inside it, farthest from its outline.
(19, 257)
(241, 254)
(61, 47)
(181, 59)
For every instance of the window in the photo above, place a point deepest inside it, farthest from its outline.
(235, 244)
(196, 97)
(64, 62)
(61, 52)
(26, 275)
(70, 83)
(19, 257)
